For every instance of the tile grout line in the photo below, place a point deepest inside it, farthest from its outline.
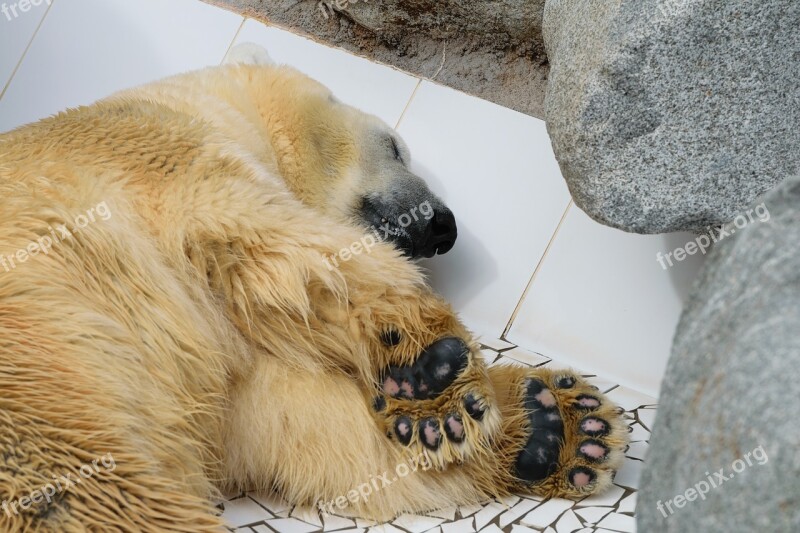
(233, 41)
(408, 104)
(25, 52)
(536, 272)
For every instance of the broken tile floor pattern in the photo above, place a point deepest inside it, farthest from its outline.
(606, 513)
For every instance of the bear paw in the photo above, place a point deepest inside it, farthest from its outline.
(441, 405)
(565, 438)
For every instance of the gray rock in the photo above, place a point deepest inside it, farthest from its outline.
(670, 115)
(493, 50)
(732, 387)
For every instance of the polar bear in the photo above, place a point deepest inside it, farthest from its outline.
(168, 299)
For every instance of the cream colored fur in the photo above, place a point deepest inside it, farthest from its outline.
(196, 333)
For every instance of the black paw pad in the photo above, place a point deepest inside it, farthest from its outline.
(586, 402)
(379, 404)
(539, 458)
(473, 406)
(454, 428)
(391, 337)
(593, 450)
(429, 433)
(434, 370)
(566, 382)
(594, 427)
(403, 429)
(581, 477)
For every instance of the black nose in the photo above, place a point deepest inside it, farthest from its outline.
(441, 233)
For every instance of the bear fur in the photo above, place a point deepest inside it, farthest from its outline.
(165, 302)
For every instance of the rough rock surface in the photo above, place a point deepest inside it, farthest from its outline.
(670, 115)
(493, 50)
(732, 386)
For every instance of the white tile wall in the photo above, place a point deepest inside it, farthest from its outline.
(602, 302)
(16, 31)
(88, 49)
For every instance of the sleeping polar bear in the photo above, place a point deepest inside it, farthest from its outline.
(169, 303)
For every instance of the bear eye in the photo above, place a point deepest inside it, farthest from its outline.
(396, 149)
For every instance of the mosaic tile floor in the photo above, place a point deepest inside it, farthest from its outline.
(606, 513)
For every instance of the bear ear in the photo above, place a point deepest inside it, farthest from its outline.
(248, 54)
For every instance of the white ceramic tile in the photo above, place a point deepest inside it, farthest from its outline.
(630, 399)
(73, 62)
(603, 384)
(16, 31)
(546, 514)
(307, 514)
(491, 529)
(511, 500)
(333, 522)
(516, 528)
(385, 528)
(593, 515)
(460, 526)
(637, 450)
(487, 514)
(291, 525)
(629, 474)
(468, 510)
(416, 523)
(526, 356)
(568, 523)
(517, 511)
(448, 514)
(243, 511)
(618, 522)
(639, 433)
(274, 503)
(496, 170)
(647, 417)
(495, 344)
(602, 302)
(628, 504)
(376, 89)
